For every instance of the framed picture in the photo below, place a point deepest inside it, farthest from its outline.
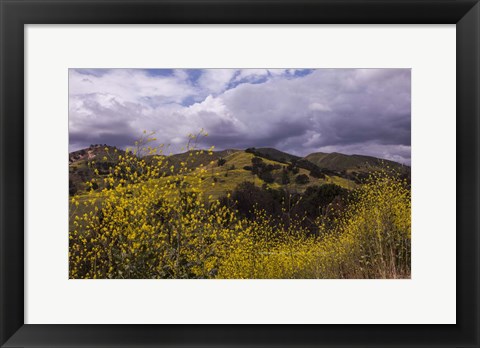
(239, 173)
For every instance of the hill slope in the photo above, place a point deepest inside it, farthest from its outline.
(273, 154)
(228, 168)
(194, 158)
(339, 162)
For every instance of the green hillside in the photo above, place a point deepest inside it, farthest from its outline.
(340, 162)
(82, 163)
(195, 158)
(227, 169)
(236, 170)
(273, 154)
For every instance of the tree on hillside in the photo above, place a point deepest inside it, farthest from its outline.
(302, 179)
(72, 188)
(257, 161)
(248, 197)
(266, 176)
(317, 198)
(317, 173)
(285, 179)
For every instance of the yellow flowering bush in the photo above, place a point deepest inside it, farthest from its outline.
(370, 240)
(150, 218)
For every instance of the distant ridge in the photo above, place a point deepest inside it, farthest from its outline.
(338, 162)
(273, 154)
(334, 161)
(233, 167)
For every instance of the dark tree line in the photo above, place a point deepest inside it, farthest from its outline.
(325, 201)
(262, 169)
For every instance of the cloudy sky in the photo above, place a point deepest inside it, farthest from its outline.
(352, 111)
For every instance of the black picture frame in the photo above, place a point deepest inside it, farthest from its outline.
(17, 13)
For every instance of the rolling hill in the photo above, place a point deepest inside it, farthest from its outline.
(195, 158)
(273, 154)
(339, 162)
(228, 168)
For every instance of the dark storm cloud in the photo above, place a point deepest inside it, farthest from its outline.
(347, 130)
(334, 108)
(118, 139)
(241, 140)
(108, 122)
(365, 111)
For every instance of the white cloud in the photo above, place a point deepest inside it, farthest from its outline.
(251, 74)
(365, 111)
(216, 80)
(132, 85)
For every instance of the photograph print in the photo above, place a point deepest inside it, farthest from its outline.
(239, 173)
